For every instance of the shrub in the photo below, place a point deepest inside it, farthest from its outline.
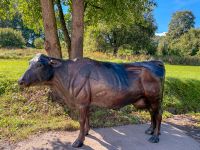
(11, 38)
(39, 43)
(125, 52)
(177, 60)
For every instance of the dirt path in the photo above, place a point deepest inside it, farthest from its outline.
(187, 124)
(130, 137)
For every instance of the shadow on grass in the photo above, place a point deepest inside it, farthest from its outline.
(182, 96)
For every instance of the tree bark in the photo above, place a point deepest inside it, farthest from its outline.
(77, 29)
(115, 46)
(52, 44)
(64, 27)
(115, 50)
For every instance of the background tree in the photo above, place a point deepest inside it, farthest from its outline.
(17, 23)
(189, 43)
(115, 13)
(181, 22)
(136, 37)
(52, 44)
(64, 28)
(77, 29)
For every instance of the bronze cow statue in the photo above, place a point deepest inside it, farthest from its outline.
(85, 82)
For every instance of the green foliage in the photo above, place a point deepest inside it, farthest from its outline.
(182, 39)
(136, 37)
(30, 11)
(162, 45)
(17, 23)
(188, 44)
(117, 12)
(39, 43)
(31, 14)
(7, 9)
(11, 38)
(184, 60)
(181, 22)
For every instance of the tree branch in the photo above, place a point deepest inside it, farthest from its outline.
(97, 7)
(64, 27)
(85, 6)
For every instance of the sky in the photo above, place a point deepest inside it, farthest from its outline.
(165, 8)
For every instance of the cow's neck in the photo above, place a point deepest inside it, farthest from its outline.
(60, 81)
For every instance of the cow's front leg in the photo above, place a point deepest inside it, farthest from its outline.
(82, 119)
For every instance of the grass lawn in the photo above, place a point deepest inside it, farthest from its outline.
(24, 112)
(183, 72)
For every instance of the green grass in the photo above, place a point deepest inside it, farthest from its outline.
(25, 112)
(183, 72)
(182, 89)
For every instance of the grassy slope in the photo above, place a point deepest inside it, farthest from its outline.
(28, 111)
(182, 88)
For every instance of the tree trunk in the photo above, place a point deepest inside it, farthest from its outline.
(52, 44)
(115, 50)
(115, 47)
(64, 27)
(77, 29)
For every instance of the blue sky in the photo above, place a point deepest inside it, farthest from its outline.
(163, 12)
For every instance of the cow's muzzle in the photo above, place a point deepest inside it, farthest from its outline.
(22, 83)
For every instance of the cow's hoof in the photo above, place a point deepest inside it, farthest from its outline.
(154, 139)
(77, 144)
(149, 131)
(86, 133)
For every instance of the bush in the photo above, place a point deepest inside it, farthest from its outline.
(125, 52)
(11, 38)
(39, 43)
(177, 60)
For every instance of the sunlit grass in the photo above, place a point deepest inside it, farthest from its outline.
(183, 72)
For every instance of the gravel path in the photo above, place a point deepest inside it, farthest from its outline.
(130, 137)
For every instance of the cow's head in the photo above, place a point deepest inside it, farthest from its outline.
(41, 70)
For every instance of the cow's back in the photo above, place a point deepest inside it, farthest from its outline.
(156, 67)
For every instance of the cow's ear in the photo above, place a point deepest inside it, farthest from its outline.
(55, 63)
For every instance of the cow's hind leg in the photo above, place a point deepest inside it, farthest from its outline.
(87, 124)
(150, 130)
(82, 120)
(158, 118)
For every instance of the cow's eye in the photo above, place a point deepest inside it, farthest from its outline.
(39, 65)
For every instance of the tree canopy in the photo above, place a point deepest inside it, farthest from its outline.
(136, 37)
(181, 22)
(114, 14)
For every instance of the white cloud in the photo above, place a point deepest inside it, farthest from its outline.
(161, 34)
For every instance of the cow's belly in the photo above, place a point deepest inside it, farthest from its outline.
(114, 98)
(104, 94)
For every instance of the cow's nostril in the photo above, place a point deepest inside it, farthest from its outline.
(21, 82)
